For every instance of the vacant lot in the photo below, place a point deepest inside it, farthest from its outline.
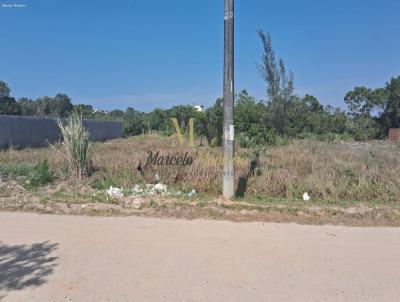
(358, 181)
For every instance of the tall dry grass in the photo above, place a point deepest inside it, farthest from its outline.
(116, 163)
(334, 171)
(78, 146)
(327, 170)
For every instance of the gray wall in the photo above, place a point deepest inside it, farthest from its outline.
(26, 131)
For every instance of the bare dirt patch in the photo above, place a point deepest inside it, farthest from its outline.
(70, 199)
(134, 259)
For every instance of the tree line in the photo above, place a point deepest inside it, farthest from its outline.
(285, 115)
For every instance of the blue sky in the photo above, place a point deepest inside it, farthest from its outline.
(149, 53)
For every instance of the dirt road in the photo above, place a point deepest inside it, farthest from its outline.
(70, 258)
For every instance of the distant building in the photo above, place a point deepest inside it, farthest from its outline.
(199, 108)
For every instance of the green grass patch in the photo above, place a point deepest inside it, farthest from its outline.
(14, 170)
(32, 175)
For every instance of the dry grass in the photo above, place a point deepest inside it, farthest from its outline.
(328, 171)
(202, 175)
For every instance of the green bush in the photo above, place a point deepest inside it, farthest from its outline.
(40, 175)
(257, 136)
(33, 175)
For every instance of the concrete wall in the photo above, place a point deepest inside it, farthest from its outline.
(26, 131)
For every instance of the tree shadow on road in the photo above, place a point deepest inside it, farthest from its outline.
(23, 266)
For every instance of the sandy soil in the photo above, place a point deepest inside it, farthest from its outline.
(74, 258)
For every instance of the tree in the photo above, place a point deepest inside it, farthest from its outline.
(249, 116)
(43, 106)
(61, 105)
(364, 127)
(390, 105)
(4, 89)
(133, 122)
(384, 102)
(268, 67)
(214, 123)
(28, 107)
(337, 121)
(8, 106)
(279, 82)
(312, 103)
(359, 101)
(157, 120)
(304, 116)
(279, 85)
(117, 115)
(202, 127)
(183, 113)
(85, 111)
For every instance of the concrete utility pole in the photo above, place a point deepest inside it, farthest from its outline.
(229, 132)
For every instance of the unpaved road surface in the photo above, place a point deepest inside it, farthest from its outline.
(71, 258)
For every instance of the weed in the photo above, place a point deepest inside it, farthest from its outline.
(33, 175)
(40, 175)
(78, 145)
(330, 171)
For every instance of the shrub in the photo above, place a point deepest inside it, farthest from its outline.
(257, 136)
(35, 175)
(40, 174)
(78, 145)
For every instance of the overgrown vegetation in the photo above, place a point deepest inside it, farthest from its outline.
(40, 175)
(32, 175)
(77, 145)
(328, 171)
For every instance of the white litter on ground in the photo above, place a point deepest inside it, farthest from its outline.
(193, 193)
(160, 188)
(156, 189)
(115, 192)
(148, 190)
(306, 197)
